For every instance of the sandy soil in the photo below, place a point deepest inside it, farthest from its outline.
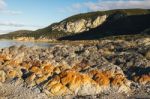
(18, 91)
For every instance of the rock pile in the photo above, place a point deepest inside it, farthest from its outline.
(78, 70)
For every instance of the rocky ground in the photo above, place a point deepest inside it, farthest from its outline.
(110, 69)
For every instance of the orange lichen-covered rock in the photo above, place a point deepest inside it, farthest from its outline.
(52, 82)
(79, 83)
(55, 88)
(110, 79)
(57, 70)
(59, 89)
(108, 73)
(67, 76)
(36, 70)
(48, 69)
(1, 59)
(88, 86)
(72, 82)
(120, 83)
(13, 63)
(71, 79)
(100, 77)
(73, 75)
(5, 57)
(11, 74)
(75, 84)
(143, 79)
(118, 80)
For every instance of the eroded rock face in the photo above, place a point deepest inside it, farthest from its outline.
(25, 38)
(78, 70)
(80, 25)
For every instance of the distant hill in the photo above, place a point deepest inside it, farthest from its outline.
(127, 25)
(109, 12)
(92, 25)
(18, 33)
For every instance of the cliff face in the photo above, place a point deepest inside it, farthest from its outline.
(25, 39)
(80, 25)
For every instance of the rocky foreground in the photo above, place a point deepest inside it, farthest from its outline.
(121, 68)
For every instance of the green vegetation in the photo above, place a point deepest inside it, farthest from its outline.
(19, 33)
(126, 25)
(126, 37)
(93, 15)
(134, 21)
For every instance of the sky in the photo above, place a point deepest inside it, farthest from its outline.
(36, 14)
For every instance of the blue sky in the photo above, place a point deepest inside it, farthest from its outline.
(35, 14)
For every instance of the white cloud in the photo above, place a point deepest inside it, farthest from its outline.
(2, 4)
(11, 12)
(4, 10)
(11, 23)
(5, 31)
(118, 4)
(101, 5)
(10, 26)
(77, 6)
(16, 24)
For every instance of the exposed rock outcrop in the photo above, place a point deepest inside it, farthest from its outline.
(79, 25)
(79, 70)
(25, 38)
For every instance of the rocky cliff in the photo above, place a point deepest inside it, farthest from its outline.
(80, 25)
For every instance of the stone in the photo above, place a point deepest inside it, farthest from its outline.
(100, 78)
(30, 80)
(98, 21)
(78, 70)
(148, 55)
(2, 76)
(143, 79)
(36, 70)
(80, 25)
(12, 74)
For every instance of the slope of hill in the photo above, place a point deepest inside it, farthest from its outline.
(92, 25)
(19, 33)
(109, 12)
(127, 25)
